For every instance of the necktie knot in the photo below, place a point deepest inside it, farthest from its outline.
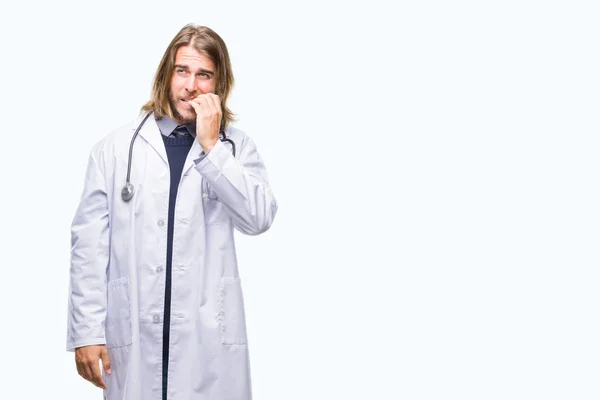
(180, 131)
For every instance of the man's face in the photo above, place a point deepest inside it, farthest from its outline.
(193, 75)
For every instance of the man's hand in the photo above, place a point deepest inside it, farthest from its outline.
(208, 119)
(87, 358)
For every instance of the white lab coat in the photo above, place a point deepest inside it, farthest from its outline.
(118, 259)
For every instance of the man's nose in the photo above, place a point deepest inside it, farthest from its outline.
(190, 83)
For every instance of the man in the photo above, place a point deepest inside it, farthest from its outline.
(155, 294)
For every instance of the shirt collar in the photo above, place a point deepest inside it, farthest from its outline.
(167, 126)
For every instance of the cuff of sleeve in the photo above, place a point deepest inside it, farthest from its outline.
(201, 157)
(218, 164)
(89, 342)
(213, 154)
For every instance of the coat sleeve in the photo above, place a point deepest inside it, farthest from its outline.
(242, 185)
(89, 262)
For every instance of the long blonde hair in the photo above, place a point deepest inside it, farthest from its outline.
(208, 43)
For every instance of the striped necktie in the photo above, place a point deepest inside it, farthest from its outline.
(180, 131)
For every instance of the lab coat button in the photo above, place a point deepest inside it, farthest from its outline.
(205, 195)
(156, 318)
(161, 223)
(159, 269)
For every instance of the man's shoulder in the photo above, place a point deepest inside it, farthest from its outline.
(124, 132)
(236, 134)
(241, 137)
(118, 137)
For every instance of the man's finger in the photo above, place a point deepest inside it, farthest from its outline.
(195, 106)
(203, 102)
(212, 103)
(97, 375)
(216, 100)
(86, 371)
(79, 369)
(105, 360)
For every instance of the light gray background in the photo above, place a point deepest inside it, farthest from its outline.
(436, 166)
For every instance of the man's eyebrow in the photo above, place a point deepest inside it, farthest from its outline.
(206, 71)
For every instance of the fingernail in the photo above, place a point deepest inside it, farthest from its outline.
(108, 371)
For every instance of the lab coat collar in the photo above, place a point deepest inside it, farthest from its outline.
(151, 134)
(168, 125)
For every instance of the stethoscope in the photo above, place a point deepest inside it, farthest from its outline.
(127, 191)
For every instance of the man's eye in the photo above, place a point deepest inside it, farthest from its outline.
(180, 71)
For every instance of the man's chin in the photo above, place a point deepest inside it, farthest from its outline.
(185, 116)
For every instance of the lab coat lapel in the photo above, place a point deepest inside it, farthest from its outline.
(193, 154)
(151, 134)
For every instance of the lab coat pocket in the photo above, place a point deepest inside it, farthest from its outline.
(118, 315)
(231, 316)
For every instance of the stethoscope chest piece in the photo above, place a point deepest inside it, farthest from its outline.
(127, 192)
